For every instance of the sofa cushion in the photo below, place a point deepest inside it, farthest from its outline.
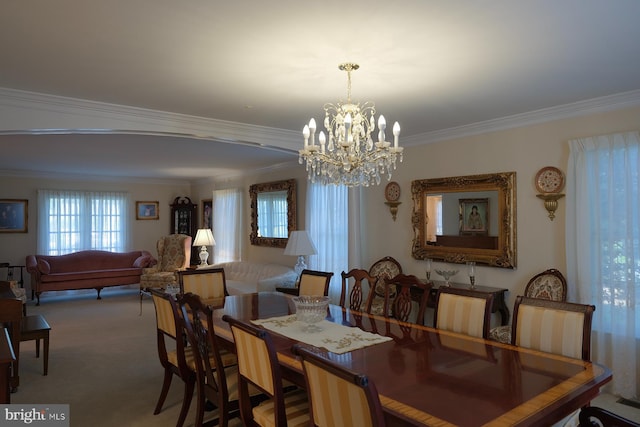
(88, 261)
(43, 266)
(91, 274)
(143, 261)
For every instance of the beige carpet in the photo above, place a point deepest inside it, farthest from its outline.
(103, 361)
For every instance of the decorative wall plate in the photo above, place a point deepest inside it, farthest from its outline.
(392, 191)
(549, 180)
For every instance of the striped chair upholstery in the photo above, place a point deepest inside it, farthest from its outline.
(357, 293)
(338, 396)
(175, 362)
(216, 370)
(314, 282)
(258, 365)
(209, 284)
(552, 326)
(550, 284)
(464, 311)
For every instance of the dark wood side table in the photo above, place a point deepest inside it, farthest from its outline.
(499, 298)
(35, 327)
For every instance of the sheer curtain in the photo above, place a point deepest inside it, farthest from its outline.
(327, 222)
(603, 248)
(227, 225)
(71, 221)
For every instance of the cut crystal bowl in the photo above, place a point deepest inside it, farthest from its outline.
(311, 309)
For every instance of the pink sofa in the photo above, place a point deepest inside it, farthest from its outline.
(86, 270)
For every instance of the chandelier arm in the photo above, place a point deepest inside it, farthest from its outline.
(350, 156)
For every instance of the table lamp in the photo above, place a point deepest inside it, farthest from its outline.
(204, 238)
(300, 245)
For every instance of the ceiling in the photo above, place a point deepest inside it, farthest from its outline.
(429, 64)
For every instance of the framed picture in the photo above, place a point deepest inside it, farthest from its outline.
(13, 215)
(147, 210)
(474, 216)
(207, 211)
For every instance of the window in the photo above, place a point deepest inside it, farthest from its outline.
(603, 247)
(71, 221)
(328, 226)
(227, 225)
(272, 221)
(434, 217)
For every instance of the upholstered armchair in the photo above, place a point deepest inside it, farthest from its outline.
(174, 253)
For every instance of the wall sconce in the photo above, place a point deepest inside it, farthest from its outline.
(550, 203)
(549, 182)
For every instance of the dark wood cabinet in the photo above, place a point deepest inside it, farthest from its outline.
(184, 220)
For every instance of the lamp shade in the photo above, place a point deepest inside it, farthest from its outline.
(300, 244)
(204, 237)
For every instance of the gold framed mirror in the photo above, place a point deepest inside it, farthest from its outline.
(273, 213)
(466, 218)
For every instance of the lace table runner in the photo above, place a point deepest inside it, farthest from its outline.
(332, 336)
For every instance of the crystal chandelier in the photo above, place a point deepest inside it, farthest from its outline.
(350, 157)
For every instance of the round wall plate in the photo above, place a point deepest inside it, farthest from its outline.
(392, 191)
(549, 180)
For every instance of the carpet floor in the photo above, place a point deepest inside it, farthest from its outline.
(104, 363)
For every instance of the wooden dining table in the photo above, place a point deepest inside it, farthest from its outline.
(429, 377)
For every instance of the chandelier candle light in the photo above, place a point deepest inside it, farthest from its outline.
(204, 238)
(350, 156)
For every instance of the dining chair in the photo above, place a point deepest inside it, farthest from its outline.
(556, 327)
(384, 268)
(552, 326)
(209, 284)
(337, 395)
(401, 292)
(357, 294)
(593, 416)
(258, 365)
(314, 282)
(10, 318)
(549, 284)
(23, 328)
(177, 360)
(464, 311)
(216, 370)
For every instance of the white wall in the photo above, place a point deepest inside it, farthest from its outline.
(204, 190)
(524, 150)
(14, 247)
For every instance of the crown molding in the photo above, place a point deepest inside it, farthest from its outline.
(93, 178)
(92, 116)
(582, 108)
(48, 112)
